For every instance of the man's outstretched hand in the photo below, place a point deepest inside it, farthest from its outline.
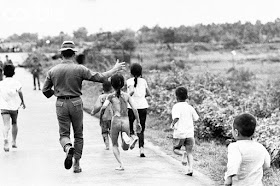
(119, 66)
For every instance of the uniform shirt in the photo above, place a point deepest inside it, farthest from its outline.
(184, 127)
(139, 92)
(9, 97)
(36, 68)
(246, 159)
(67, 78)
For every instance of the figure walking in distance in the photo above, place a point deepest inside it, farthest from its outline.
(8, 61)
(36, 71)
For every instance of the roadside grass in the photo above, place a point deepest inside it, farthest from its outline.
(210, 157)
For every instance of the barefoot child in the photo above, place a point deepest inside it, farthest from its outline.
(246, 158)
(11, 98)
(120, 124)
(105, 122)
(183, 116)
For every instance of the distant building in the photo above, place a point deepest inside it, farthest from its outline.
(10, 46)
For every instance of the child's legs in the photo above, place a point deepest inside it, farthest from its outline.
(105, 126)
(115, 129)
(142, 116)
(125, 133)
(117, 154)
(125, 127)
(105, 130)
(14, 115)
(177, 144)
(189, 143)
(131, 118)
(6, 121)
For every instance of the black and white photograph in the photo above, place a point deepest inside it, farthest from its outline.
(140, 92)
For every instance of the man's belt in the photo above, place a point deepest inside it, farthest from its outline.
(67, 97)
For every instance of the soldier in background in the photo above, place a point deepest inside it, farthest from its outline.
(36, 70)
(8, 61)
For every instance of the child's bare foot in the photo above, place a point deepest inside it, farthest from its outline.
(126, 138)
(185, 159)
(6, 145)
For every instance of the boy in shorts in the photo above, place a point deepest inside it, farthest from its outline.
(11, 98)
(105, 121)
(183, 116)
(246, 158)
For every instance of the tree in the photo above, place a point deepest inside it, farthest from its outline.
(81, 34)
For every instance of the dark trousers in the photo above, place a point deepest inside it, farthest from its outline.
(142, 116)
(70, 111)
(36, 77)
(1, 75)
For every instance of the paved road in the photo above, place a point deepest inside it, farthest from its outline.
(38, 160)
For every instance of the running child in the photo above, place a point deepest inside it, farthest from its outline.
(246, 158)
(183, 116)
(105, 122)
(138, 89)
(119, 123)
(11, 99)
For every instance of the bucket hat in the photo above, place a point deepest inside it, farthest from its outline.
(68, 45)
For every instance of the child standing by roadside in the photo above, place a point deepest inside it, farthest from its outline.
(138, 89)
(183, 116)
(246, 158)
(120, 123)
(105, 122)
(11, 98)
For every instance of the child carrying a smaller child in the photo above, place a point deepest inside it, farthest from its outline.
(183, 116)
(246, 158)
(105, 122)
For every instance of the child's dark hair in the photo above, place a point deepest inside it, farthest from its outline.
(117, 82)
(9, 70)
(181, 93)
(80, 59)
(67, 53)
(106, 85)
(245, 124)
(136, 71)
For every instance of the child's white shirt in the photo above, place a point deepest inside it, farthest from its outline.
(246, 160)
(9, 97)
(139, 92)
(184, 128)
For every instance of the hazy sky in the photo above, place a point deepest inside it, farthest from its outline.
(49, 17)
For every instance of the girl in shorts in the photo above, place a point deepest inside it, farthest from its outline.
(120, 122)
